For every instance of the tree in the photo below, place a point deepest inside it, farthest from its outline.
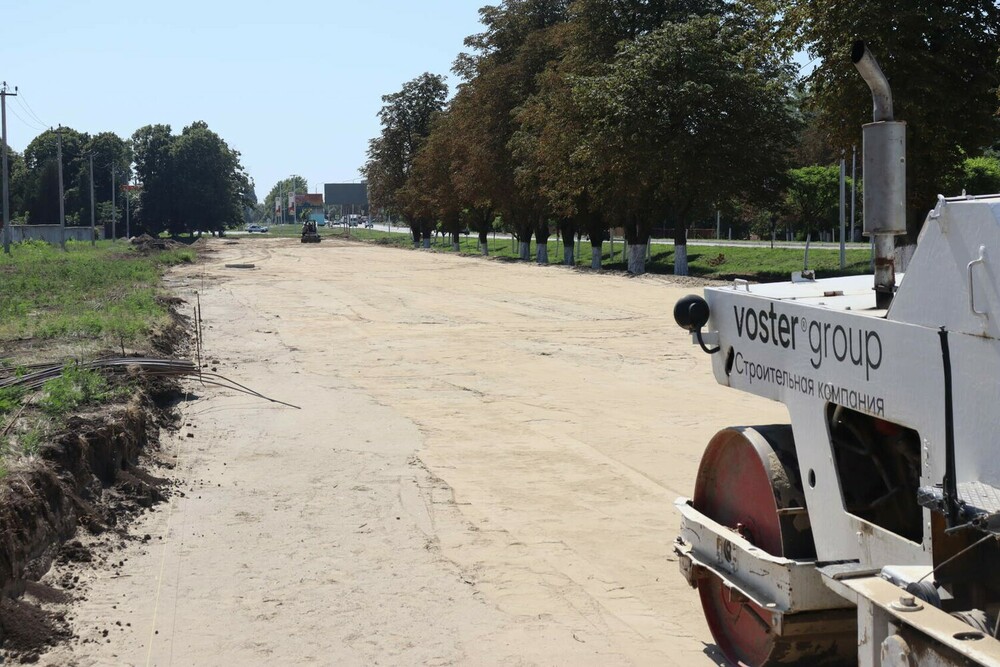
(280, 192)
(688, 115)
(521, 39)
(110, 153)
(812, 198)
(941, 61)
(979, 176)
(42, 182)
(190, 182)
(406, 118)
(154, 167)
(207, 181)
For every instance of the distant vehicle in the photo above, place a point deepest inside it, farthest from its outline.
(322, 223)
(257, 229)
(369, 224)
(309, 233)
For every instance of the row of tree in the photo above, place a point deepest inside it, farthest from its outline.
(573, 116)
(175, 183)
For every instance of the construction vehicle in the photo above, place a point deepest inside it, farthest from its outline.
(309, 233)
(865, 531)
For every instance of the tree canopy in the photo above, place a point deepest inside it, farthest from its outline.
(584, 114)
(941, 61)
(406, 117)
(190, 182)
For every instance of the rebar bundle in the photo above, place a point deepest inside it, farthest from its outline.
(33, 377)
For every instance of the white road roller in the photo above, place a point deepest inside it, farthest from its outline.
(865, 532)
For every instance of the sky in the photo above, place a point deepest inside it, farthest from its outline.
(294, 86)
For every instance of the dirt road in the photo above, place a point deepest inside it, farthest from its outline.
(482, 471)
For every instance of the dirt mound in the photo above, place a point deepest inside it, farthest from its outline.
(27, 629)
(147, 244)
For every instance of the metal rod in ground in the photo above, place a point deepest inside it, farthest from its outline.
(197, 344)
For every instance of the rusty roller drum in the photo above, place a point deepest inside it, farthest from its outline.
(746, 476)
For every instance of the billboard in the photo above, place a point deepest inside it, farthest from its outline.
(346, 194)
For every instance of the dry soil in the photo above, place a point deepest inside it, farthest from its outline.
(482, 471)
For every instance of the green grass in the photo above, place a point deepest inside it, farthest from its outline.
(75, 387)
(722, 262)
(104, 293)
(73, 302)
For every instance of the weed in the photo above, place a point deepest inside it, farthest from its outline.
(10, 399)
(31, 441)
(73, 388)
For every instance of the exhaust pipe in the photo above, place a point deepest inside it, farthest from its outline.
(884, 158)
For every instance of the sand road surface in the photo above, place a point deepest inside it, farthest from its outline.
(482, 472)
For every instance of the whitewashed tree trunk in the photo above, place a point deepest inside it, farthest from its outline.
(636, 259)
(524, 249)
(542, 253)
(680, 260)
(484, 248)
(455, 247)
(427, 242)
(596, 251)
(568, 258)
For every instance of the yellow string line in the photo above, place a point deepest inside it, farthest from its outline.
(163, 557)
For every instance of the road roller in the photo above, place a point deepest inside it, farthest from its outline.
(864, 531)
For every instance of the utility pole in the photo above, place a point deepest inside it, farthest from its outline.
(62, 198)
(114, 218)
(128, 231)
(854, 184)
(843, 215)
(6, 188)
(93, 232)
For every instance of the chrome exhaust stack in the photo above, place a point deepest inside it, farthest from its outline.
(884, 159)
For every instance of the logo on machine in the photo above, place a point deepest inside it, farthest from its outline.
(825, 340)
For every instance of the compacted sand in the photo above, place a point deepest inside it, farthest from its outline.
(482, 471)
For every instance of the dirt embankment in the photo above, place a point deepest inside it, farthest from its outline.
(72, 504)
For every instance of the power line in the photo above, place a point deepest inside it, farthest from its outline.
(33, 126)
(32, 111)
(28, 116)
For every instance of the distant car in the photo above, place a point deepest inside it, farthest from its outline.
(322, 223)
(352, 222)
(369, 224)
(257, 229)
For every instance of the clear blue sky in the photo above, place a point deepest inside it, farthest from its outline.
(294, 86)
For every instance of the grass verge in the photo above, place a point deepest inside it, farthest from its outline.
(70, 303)
(104, 293)
(759, 264)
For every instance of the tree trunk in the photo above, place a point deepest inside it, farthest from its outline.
(681, 260)
(524, 249)
(542, 253)
(484, 243)
(596, 251)
(542, 240)
(415, 232)
(680, 248)
(427, 242)
(637, 258)
(567, 232)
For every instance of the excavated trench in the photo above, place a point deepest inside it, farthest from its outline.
(90, 478)
(73, 504)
